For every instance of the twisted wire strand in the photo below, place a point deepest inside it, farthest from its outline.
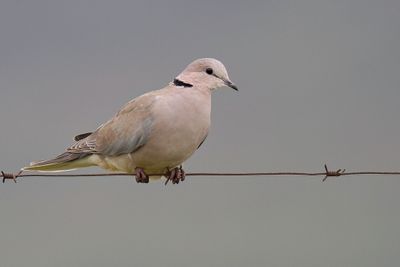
(327, 173)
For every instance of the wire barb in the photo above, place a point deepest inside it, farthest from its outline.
(329, 173)
(10, 176)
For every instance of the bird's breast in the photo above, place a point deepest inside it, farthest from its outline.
(181, 122)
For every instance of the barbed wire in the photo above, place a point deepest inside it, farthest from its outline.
(327, 173)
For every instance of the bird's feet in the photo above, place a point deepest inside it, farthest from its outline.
(141, 176)
(175, 175)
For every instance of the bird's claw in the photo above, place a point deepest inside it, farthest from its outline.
(176, 175)
(141, 176)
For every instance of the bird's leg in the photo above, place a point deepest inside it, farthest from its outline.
(175, 175)
(141, 176)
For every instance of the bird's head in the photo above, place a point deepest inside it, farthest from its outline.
(206, 72)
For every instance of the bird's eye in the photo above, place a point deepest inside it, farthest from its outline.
(209, 71)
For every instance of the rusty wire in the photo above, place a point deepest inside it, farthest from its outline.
(327, 173)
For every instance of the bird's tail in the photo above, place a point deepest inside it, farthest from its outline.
(64, 162)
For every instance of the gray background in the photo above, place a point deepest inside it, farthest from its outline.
(319, 84)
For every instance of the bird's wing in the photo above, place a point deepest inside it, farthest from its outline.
(126, 132)
(82, 136)
(204, 139)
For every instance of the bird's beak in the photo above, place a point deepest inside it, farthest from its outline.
(231, 85)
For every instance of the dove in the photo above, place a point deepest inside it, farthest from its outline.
(153, 134)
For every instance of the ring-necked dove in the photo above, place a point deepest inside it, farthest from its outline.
(153, 133)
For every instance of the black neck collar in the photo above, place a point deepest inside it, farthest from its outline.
(180, 83)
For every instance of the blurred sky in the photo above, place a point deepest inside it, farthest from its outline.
(319, 83)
